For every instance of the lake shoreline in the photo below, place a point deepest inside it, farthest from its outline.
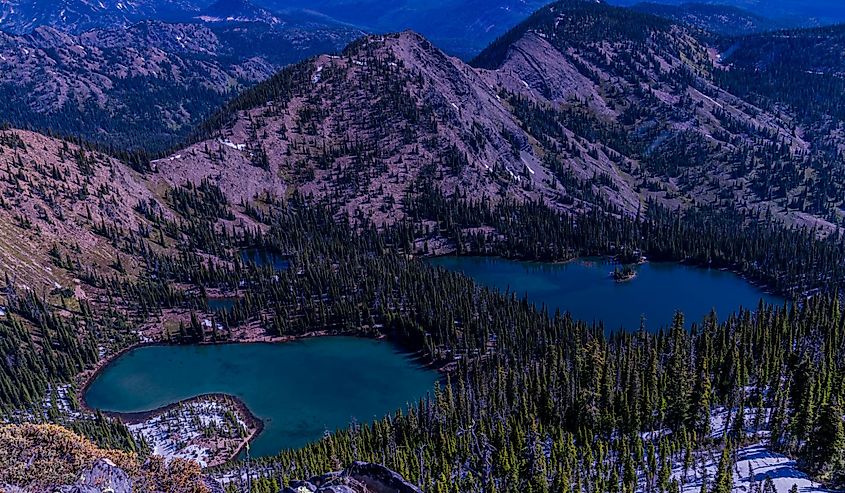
(240, 407)
(130, 418)
(253, 335)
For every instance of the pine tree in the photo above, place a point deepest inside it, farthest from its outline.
(825, 450)
(700, 414)
(769, 486)
(738, 424)
(723, 483)
(679, 386)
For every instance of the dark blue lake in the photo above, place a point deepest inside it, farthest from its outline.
(262, 257)
(584, 288)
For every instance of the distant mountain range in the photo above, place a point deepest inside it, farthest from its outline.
(793, 12)
(75, 16)
(461, 27)
(145, 85)
(719, 19)
(237, 11)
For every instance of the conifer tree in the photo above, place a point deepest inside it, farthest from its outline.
(700, 414)
(825, 450)
(723, 482)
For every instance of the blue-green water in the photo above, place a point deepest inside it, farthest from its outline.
(299, 389)
(584, 288)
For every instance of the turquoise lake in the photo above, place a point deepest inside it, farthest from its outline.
(299, 389)
(584, 288)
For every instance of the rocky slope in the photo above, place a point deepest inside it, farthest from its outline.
(60, 204)
(49, 458)
(364, 128)
(584, 105)
(655, 93)
(360, 477)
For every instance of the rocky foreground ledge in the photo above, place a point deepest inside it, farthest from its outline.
(360, 477)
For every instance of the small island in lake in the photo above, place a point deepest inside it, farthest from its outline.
(626, 273)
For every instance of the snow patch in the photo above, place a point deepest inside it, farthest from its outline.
(317, 75)
(229, 143)
(177, 433)
(754, 465)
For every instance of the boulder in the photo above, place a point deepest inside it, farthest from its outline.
(379, 478)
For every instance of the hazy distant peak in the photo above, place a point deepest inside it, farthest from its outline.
(236, 11)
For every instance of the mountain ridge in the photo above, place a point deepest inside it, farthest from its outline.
(716, 18)
(479, 126)
(626, 128)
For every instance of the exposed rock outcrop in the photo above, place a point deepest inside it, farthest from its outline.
(104, 475)
(50, 458)
(360, 477)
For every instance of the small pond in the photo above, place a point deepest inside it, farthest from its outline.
(263, 257)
